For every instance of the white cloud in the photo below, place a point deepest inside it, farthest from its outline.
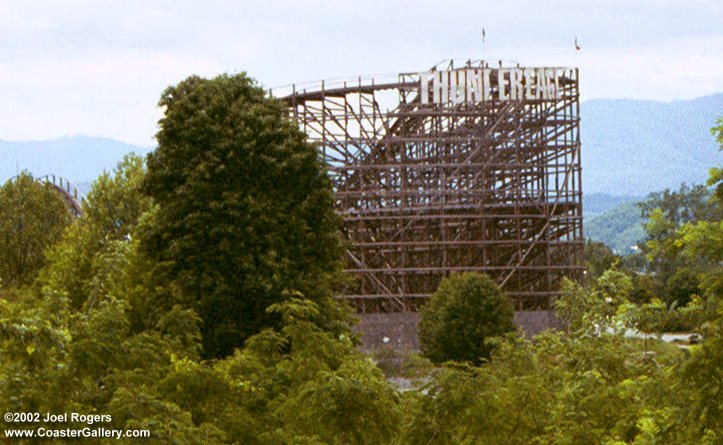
(679, 68)
(112, 96)
(98, 68)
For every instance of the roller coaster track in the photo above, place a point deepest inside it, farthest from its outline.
(69, 192)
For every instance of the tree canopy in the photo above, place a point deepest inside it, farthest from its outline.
(32, 217)
(670, 214)
(80, 263)
(245, 210)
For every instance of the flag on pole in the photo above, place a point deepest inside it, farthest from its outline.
(577, 45)
(483, 35)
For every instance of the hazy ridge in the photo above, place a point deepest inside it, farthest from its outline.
(629, 149)
(80, 158)
(634, 147)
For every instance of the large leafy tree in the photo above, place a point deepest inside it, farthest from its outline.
(687, 204)
(676, 275)
(245, 210)
(32, 217)
(702, 241)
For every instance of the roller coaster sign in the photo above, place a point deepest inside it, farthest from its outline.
(474, 85)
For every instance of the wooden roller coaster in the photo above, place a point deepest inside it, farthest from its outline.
(431, 182)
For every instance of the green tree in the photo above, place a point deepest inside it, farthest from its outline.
(588, 311)
(466, 310)
(559, 389)
(32, 217)
(702, 377)
(715, 178)
(90, 253)
(351, 405)
(701, 242)
(598, 258)
(687, 204)
(676, 276)
(245, 208)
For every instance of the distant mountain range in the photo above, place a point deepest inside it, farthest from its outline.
(80, 159)
(629, 149)
(634, 147)
(594, 204)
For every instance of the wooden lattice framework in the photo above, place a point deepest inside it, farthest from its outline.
(428, 189)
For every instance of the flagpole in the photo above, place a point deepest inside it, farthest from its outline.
(483, 45)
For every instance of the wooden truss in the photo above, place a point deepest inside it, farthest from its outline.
(426, 190)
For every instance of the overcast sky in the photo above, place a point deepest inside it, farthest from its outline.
(97, 68)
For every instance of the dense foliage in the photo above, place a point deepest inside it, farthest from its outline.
(85, 257)
(295, 383)
(32, 217)
(675, 271)
(466, 310)
(673, 227)
(245, 210)
(598, 258)
(300, 384)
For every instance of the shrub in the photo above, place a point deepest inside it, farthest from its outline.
(466, 310)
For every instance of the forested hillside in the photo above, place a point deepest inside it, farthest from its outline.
(594, 204)
(620, 228)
